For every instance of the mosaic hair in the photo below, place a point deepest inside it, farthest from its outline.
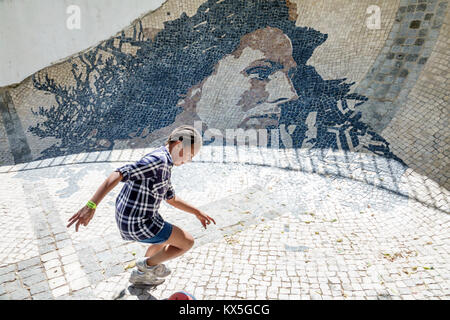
(165, 68)
(142, 90)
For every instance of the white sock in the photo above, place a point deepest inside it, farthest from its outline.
(146, 265)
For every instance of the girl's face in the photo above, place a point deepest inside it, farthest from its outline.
(181, 155)
(248, 85)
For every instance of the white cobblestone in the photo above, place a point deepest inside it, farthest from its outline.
(281, 257)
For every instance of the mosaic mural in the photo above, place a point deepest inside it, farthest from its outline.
(234, 64)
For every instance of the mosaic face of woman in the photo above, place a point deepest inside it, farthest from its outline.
(248, 85)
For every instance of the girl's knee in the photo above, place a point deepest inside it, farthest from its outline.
(189, 243)
(181, 239)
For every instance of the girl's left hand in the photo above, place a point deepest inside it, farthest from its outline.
(83, 216)
(204, 219)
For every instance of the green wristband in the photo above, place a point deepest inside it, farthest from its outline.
(91, 205)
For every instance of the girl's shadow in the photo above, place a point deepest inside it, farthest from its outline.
(141, 291)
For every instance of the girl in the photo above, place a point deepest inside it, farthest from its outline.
(147, 183)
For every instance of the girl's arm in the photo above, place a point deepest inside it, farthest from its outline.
(85, 214)
(183, 205)
(107, 185)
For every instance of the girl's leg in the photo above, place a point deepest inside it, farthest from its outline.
(178, 243)
(154, 248)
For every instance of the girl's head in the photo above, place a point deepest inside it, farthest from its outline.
(184, 143)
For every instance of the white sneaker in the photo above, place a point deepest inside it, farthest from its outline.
(142, 278)
(160, 270)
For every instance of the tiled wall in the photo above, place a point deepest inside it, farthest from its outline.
(420, 129)
(396, 70)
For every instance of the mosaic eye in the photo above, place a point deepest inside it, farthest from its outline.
(261, 72)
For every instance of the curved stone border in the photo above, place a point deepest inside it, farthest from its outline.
(332, 163)
(281, 158)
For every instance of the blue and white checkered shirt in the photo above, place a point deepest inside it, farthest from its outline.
(147, 183)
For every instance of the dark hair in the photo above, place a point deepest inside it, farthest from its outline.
(142, 90)
(186, 50)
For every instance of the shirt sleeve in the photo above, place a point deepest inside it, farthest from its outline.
(146, 168)
(170, 193)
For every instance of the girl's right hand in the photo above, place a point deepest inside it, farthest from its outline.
(204, 218)
(83, 216)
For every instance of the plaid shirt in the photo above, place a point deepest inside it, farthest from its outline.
(147, 183)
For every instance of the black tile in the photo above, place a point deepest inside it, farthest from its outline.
(421, 7)
(412, 57)
(419, 41)
(403, 73)
(423, 32)
(399, 41)
(411, 8)
(428, 16)
(415, 24)
(422, 60)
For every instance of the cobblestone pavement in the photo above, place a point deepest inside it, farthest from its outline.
(290, 225)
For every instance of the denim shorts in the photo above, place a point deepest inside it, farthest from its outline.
(161, 236)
